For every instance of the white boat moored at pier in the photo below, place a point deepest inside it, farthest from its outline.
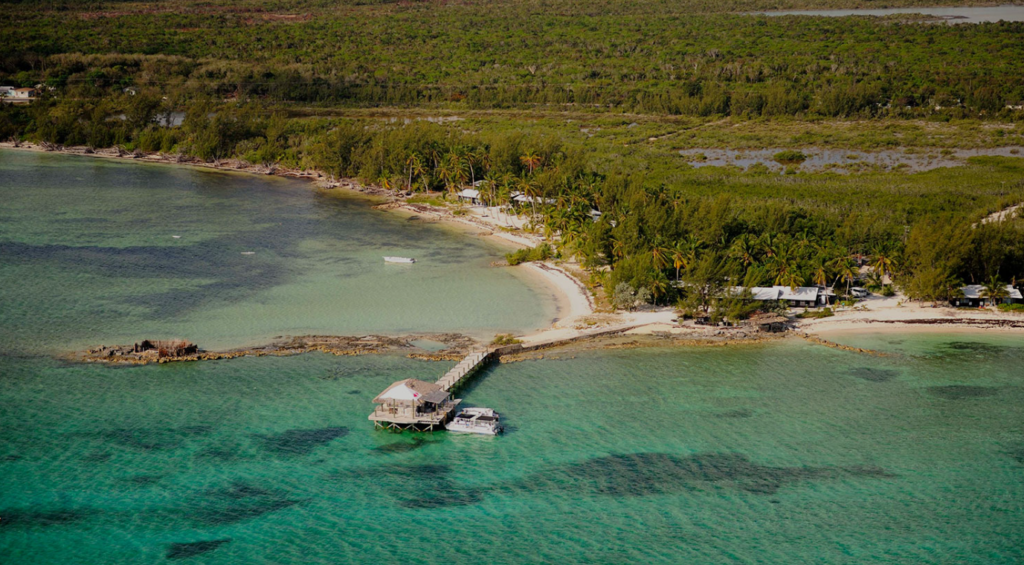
(476, 421)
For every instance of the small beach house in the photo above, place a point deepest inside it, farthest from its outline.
(768, 322)
(413, 403)
(24, 93)
(470, 195)
(800, 297)
(974, 297)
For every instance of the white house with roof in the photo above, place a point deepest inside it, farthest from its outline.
(24, 93)
(6, 91)
(412, 403)
(975, 296)
(470, 195)
(803, 296)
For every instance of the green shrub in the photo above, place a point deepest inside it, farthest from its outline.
(428, 199)
(505, 339)
(539, 253)
(814, 314)
(1011, 307)
(789, 157)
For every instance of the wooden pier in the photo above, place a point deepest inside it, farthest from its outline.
(419, 405)
(469, 364)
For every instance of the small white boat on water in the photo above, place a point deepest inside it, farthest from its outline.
(406, 260)
(476, 421)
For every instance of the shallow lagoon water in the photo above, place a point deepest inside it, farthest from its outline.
(778, 453)
(88, 255)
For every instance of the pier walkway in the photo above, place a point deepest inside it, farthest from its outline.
(420, 405)
(466, 367)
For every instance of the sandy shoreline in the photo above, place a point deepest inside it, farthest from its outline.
(575, 305)
(572, 299)
(894, 314)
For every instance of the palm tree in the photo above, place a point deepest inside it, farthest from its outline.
(531, 160)
(532, 191)
(846, 270)
(883, 262)
(679, 258)
(789, 277)
(820, 277)
(618, 248)
(786, 267)
(659, 255)
(744, 249)
(994, 291)
(504, 194)
(659, 286)
(415, 167)
(452, 171)
(476, 156)
(767, 244)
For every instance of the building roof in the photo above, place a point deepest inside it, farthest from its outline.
(765, 292)
(976, 291)
(524, 198)
(26, 89)
(469, 193)
(412, 390)
(803, 293)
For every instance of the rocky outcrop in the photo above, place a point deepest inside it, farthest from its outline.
(149, 351)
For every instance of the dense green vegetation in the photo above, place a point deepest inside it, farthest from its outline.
(685, 57)
(580, 107)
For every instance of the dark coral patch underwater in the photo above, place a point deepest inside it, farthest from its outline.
(300, 442)
(873, 375)
(29, 518)
(646, 474)
(961, 392)
(193, 548)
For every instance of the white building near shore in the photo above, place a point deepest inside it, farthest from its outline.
(803, 296)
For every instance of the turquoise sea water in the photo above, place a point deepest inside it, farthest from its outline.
(775, 453)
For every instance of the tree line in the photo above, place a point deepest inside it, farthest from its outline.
(649, 57)
(665, 236)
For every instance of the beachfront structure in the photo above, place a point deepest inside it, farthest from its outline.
(768, 322)
(974, 296)
(800, 297)
(23, 93)
(470, 195)
(520, 199)
(413, 404)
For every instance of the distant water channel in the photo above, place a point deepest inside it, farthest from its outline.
(773, 453)
(842, 160)
(966, 15)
